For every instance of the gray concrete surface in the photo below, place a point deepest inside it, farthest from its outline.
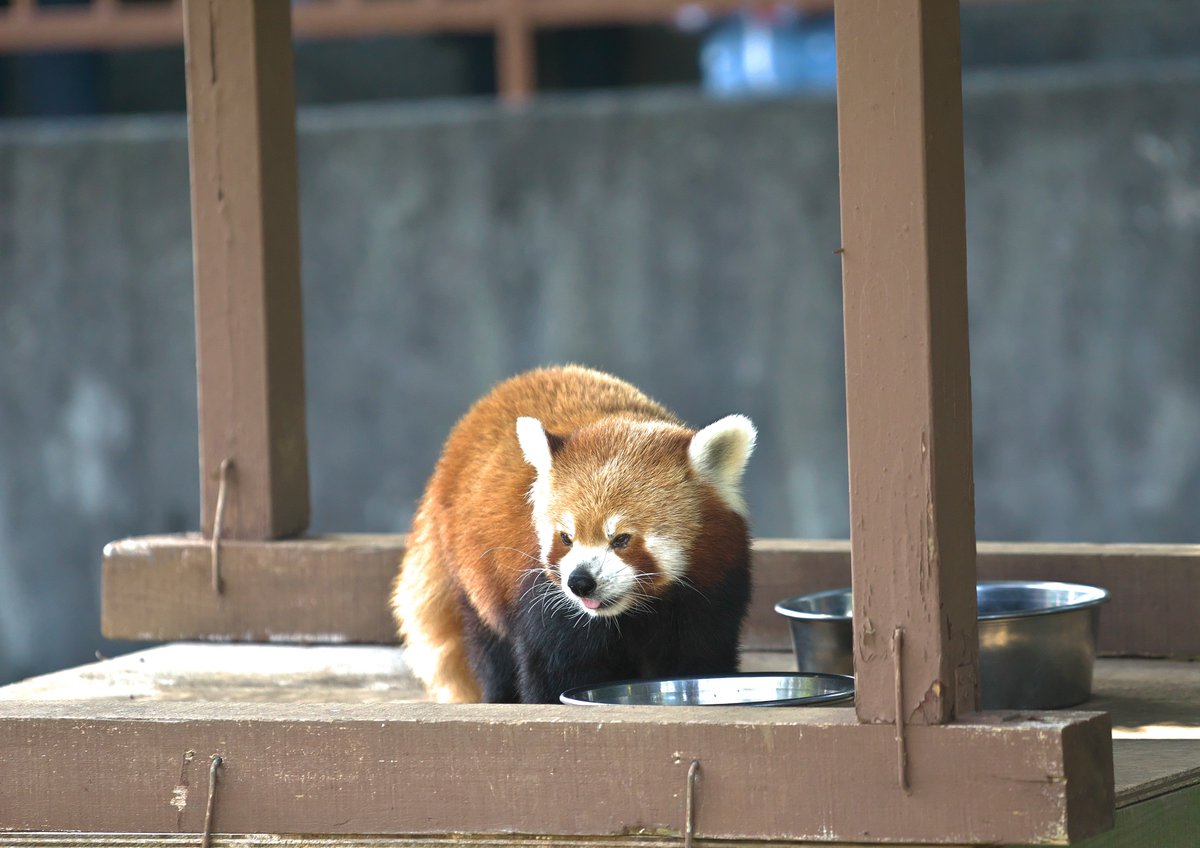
(684, 244)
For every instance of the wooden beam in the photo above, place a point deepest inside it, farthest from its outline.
(429, 768)
(1152, 611)
(334, 589)
(908, 396)
(246, 245)
(516, 52)
(131, 26)
(327, 590)
(372, 19)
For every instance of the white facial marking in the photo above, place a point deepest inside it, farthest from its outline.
(536, 449)
(610, 526)
(669, 555)
(615, 580)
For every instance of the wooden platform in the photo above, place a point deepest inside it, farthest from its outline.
(1155, 705)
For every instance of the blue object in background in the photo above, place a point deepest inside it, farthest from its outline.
(756, 53)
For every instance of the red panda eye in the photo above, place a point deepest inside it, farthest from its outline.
(621, 541)
(566, 540)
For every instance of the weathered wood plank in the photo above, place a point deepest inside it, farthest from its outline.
(328, 590)
(249, 674)
(1153, 703)
(429, 768)
(1154, 588)
(334, 589)
(246, 236)
(457, 840)
(1150, 767)
(908, 388)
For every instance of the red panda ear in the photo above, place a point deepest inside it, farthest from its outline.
(719, 453)
(537, 445)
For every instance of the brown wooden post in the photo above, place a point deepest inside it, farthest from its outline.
(908, 393)
(516, 73)
(246, 243)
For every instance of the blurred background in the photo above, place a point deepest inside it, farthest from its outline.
(665, 208)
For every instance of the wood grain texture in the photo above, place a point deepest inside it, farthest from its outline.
(427, 768)
(1153, 703)
(328, 590)
(246, 247)
(457, 840)
(908, 392)
(1145, 696)
(334, 589)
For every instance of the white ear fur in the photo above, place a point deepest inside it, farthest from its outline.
(534, 443)
(719, 454)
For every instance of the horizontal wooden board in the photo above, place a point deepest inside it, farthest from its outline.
(427, 768)
(1156, 721)
(1170, 820)
(329, 590)
(334, 589)
(456, 840)
(1152, 703)
(1154, 587)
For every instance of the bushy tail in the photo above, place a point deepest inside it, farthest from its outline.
(425, 606)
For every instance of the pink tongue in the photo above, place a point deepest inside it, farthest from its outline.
(590, 603)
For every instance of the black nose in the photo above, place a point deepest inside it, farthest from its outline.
(581, 582)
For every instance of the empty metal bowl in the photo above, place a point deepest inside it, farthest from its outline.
(730, 690)
(1037, 640)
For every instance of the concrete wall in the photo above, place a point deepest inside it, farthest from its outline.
(684, 244)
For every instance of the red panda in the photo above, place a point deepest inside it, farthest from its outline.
(575, 532)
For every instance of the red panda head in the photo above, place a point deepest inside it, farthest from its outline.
(622, 506)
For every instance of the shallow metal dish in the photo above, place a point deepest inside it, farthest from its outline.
(747, 690)
(1037, 640)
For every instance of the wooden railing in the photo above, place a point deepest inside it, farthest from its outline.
(29, 26)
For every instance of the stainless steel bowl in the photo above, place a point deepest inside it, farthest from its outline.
(752, 690)
(1037, 640)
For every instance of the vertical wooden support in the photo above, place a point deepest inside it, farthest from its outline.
(246, 243)
(908, 393)
(516, 75)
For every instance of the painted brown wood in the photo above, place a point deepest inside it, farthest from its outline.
(1154, 588)
(784, 568)
(333, 589)
(428, 768)
(246, 245)
(327, 590)
(457, 840)
(1152, 703)
(1153, 611)
(131, 25)
(908, 395)
(516, 56)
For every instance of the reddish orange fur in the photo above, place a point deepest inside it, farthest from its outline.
(473, 531)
